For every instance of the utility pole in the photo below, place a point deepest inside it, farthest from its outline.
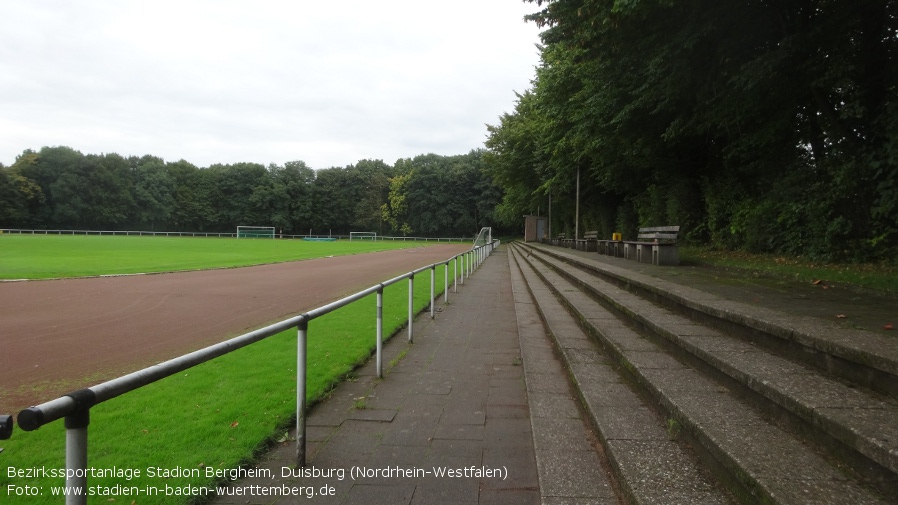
(577, 209)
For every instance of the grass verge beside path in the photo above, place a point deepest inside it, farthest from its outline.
(58, 256)
(214, 416)
(878, 278)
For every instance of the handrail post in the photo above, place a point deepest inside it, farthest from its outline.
(446, 282)
(76, 456)
(301, 360)
(411, 304)
(380, 332)
(455, 274)
(433, 273)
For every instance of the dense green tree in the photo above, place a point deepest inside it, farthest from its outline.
(376, 177)
(44, 168)
(292, 209)
(94, 194)
(19, 198)
(154, 193)
(433, 195)
(332, 201)
(231, 195)
(449, 195)
(193, 210)
(395, 210)
(754, 124)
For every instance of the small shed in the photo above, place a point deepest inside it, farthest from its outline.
(535, 228)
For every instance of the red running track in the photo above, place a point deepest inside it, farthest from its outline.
(60, 335)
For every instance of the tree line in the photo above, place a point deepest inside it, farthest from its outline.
(754, 124)
(428, 195)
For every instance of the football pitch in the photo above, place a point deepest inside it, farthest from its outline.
(63, 256)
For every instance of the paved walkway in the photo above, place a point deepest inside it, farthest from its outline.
(455, 401)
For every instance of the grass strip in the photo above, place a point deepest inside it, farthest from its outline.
(62, 256)
(217, 415)
(877, 277)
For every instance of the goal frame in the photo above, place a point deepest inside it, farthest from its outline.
(243, 229)
(484, 237)
(363, 235)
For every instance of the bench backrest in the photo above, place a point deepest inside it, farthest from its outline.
(660, 233)
(590, 235)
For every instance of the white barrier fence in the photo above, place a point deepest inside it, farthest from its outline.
(142, 233)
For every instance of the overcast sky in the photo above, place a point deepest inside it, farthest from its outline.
(264, 81)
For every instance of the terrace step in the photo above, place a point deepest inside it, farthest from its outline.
(651, 466)
(771, 430)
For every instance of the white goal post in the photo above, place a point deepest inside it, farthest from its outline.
(362, 235)
(255, 232)
(484, 237)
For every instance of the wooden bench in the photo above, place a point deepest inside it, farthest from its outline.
(589, 241)
(656, 245)
(559, 240)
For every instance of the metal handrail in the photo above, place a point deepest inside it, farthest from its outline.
(75, 407)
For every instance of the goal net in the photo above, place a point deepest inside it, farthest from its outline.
(255, 232)
(484, 237)
(362, 235)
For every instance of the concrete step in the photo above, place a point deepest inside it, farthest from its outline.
(718, 390)
(864, 358)
(833, 408)
(651, 465)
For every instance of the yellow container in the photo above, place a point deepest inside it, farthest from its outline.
(615, 236)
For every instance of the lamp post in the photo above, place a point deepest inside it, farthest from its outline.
(577, 208)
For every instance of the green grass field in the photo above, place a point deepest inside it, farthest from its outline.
(217, 415)
(57, 256)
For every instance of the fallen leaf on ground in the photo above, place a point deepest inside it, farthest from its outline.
(841, 316)
(888, 326)
(234, 424)
(818, 281)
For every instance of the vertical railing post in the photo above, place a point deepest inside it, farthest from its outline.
(462, 272)
(380, 332)
(446, 282)
(301, 360)
(76, 456)
(455, 274)
(433, 275)
(411, 305)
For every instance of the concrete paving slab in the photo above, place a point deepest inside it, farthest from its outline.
(366, 414)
